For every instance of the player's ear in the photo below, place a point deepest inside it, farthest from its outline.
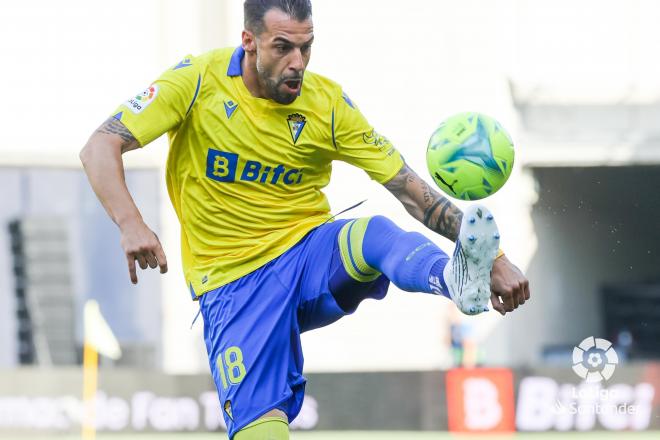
(249, 42)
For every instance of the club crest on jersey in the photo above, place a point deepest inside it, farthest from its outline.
(142, 100)
(296, 124)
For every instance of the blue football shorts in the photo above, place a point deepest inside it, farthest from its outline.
(252, 326)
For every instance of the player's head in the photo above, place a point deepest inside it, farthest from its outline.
(279, 33)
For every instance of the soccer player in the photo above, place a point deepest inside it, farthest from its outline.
(252, 137)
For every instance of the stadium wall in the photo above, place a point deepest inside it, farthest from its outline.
(467, 400)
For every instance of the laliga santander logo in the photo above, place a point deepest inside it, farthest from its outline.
(148, 94)
(594, 359)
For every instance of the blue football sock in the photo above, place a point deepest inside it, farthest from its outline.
(408, 259)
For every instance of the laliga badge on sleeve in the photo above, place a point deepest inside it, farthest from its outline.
(142, 100)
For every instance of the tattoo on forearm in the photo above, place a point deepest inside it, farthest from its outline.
(435, 211)
(429, 211)
(397, 185)
(428, 197)
(445, 222)
(113, 126)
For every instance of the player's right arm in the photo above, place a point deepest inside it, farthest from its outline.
(102, 159)
(162, 107)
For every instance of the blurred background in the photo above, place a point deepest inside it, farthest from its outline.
(575, 83)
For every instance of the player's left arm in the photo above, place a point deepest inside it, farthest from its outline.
(428, 206)
(509, 286)
(356, 142)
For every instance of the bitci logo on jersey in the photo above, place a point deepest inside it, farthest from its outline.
(222, 166)
(142, 100)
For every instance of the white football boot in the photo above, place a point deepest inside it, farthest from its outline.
(467, 273)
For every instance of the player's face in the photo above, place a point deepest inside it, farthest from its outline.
(283, 52)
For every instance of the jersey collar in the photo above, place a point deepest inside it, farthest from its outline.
(235, 68)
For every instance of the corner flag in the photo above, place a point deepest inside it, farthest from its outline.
(98, 338)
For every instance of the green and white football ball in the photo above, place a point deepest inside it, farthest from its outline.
(470, 156)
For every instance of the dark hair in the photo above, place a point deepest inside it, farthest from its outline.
(255, 10)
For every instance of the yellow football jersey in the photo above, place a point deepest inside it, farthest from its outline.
(245, 174)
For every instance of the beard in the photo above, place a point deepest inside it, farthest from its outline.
(273, 84)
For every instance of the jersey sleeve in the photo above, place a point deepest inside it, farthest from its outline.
(358, 143)
(163, 105)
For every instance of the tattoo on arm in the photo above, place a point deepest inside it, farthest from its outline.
(428, 206)
(114, 126)
(397, 185)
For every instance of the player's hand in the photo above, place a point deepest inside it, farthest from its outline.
(142, 245)
(509, 287)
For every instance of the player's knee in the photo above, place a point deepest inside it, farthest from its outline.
(380, 221)
(380, 227)
(380, 235)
